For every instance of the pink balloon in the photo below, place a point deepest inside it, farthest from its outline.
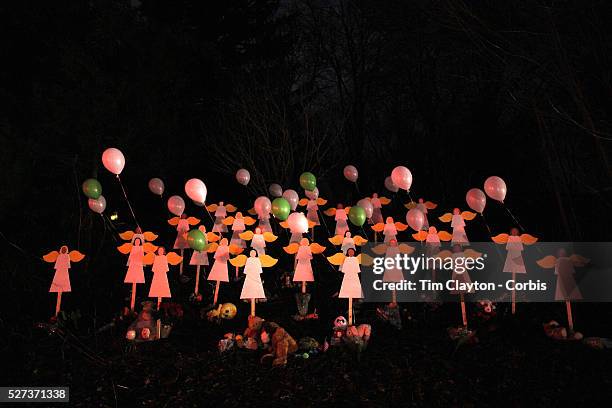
(298, 223)
(156, 186)
(495, 187)
(390, 186)
(351, 173)
(313, 195)
(292, 197)
(176, 205)
(402, 177)
(196, 190)
(367, 206)
(97, 205)
(262, 206)
(476, 200)
(243, 176)
(113, 160)
(275, 190)
(415, 219)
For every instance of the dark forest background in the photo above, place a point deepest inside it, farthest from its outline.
(454, 90)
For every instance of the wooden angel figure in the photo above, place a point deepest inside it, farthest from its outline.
(347, 241)
(351, 285)
(303, 256)
(258, 239)
(514, 259)
(432, 238)
(253, 289)
(182, 224)
(135, 272)
(457, 220)
(219, 271)
(393, 274)
(220, 212)
(160, 288)
(341, 216)
(200, 258)
(377, 203)
(566, 288)
(238, 224)
(389, 229)
(312, 208)
(144, 237)
(423, 206)
(61, 279)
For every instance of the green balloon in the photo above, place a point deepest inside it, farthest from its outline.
(281, 208)
(92, 188)
(357, 216)
(196, 240)
(308, 181)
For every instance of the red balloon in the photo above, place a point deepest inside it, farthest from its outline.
(113, 160)
(415, 219)
(402, 177)
(495, 187)
(476, 200)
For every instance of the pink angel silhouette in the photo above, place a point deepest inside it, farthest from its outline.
(61, 278)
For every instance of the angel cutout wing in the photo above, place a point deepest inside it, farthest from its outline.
(149, 247)
(321, 201)
(173, 258)
(193, 221)
(420, 236)
(212, 237)
(303, 202)
(579, 260)
(76, 256)
(528, 239)
(127, 235)
(235, 249)
(336, 239)
(330, 212)
(378, 227)
(470, 253)
(380, 249)
(269, 237)
(501, 238)
(406, 249)
(252, 211)
(284, 224)
(238, 261)
(444, 236)
(365, 259)
(249, 220)
(246, 235)
(337, 259)
(468, 215)
(174, 221)
(212, 208)
(51, 256)
(359, 241)
(228, 220)
(291, 248)
(444, 254)
(267, 261)
(384, 200)
(447, 217)
(230, 208)
(212, 247)
(410, 205)
(347, 209)
(125, 248)
(400, 227)
(316, 248)
(547, 262)
(311, 224)
(430, 205)
(148, 259)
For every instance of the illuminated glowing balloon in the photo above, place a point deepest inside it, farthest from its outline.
(113, 160)
(402, 177)
(390, 186)
(312, 195)
(476, 200)
(415, 219)
(275, 190)
(308, 181)
(495, 187)
(351, 173)
(176, 205)
(281, 208)
(92, 188)
(292, 197)
(298, 223)
(262, 206)
(196, 240)
(367, 206)
(357, 216)
(97, 205)
(156, 186)
(243, 176)
(196, 190)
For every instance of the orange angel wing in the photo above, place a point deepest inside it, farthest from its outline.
(149, 247)
(269, 237)
(174, 221)
(384, 200)
(365, 259)
(380, 249)
(51, 256)
(336, 239)
(500, 239)
(444, 254)
(246, 235)
(252, 211)
(330, 212)
(284, 224)
(406, 249)
(429, 205)
(267, 261)
(547, 262)
(148, 258)
(528, 239)
(321, 201)
(410, 205)
(193, 221)
(359, 241)
(337, 259)
(400, 226)
(212, 207)
(316, 248)
(235, 249)
(303, 202)
(448, 217)
(444, 236)
(579, 260)
(249, 220)
(212, 247)
(378, 227)
(127, 235)
(470, 253)
(420, 236)
(125, 248)
(239, 261)
(291, 248)
(149, 236)
(311, 224)
(76, 256)
(228, 220)
(230, 208)
(173, 258)
(212, 237)
(468, 215)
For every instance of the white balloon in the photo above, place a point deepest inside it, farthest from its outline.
(262, 206)
(97, 205)
(390, 186)
(176, 205)
(351, 173)
(298, 223)
(313, 195)
(292, 197)
(196, 190)
(402, 177)
(367, 206)
(243, 176)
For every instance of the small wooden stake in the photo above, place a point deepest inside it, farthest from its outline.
(570, 319)
(181, 267)
(197, 282)
(133, 301)
(513, 293)
(58, 304)
(394, 297)
(216, 293)
(463, 314)
(252, 307)
(350, 312)
(159, 299)
(375, 237)
(312, 235)
(304, 287)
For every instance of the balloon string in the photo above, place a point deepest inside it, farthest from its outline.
(322, 218)
(484, 220)
(209, 216)
(128, 201)
(357, 187)
(516, 221)
(410, 196)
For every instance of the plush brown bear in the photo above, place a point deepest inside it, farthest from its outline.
(278, 342)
